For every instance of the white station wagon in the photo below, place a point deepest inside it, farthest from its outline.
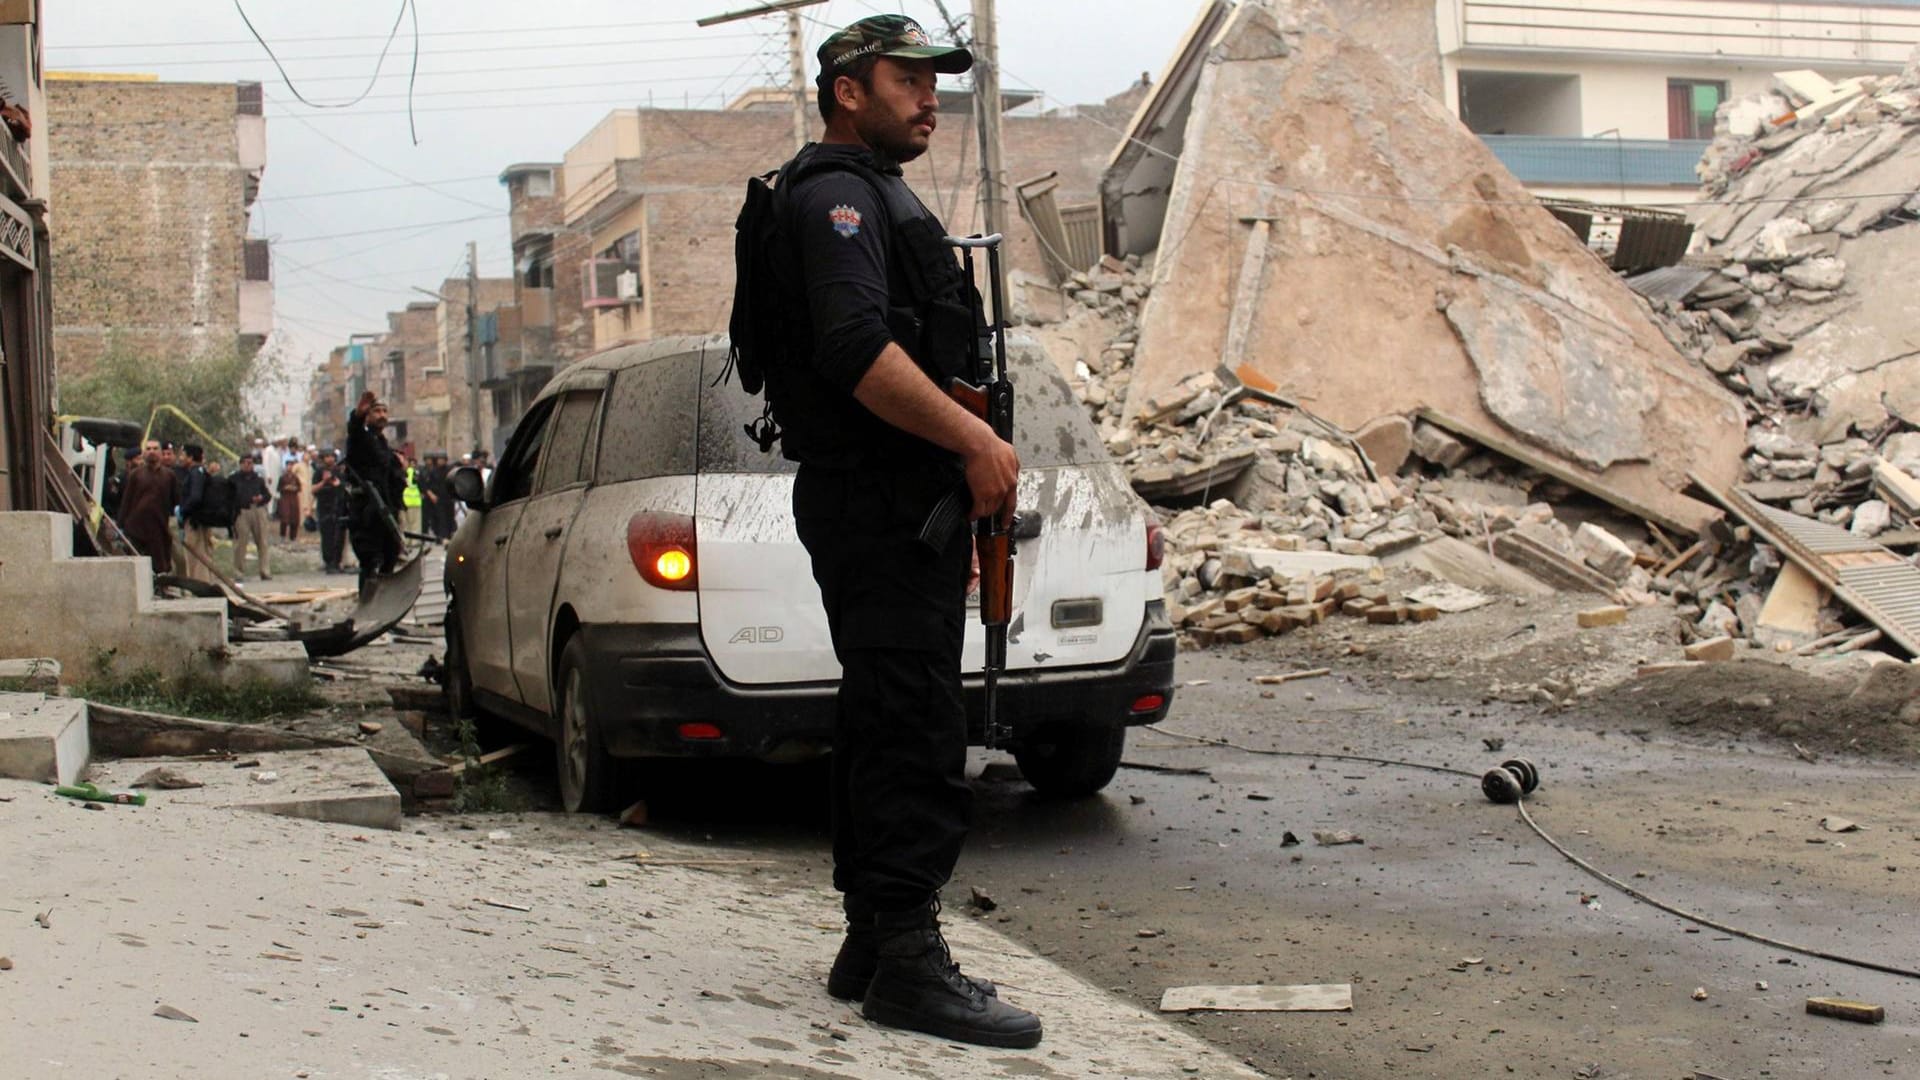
(630, 583)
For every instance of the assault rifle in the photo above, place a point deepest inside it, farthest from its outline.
(990, 397)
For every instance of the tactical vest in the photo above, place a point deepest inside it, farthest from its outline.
(935, 324)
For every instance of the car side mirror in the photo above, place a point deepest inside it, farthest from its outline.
(468, 487)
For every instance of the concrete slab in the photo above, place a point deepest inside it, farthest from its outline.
(341, 785)
(281, 663)
(1520, 333)
(43, 738)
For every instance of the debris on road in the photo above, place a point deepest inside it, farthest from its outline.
(1857, 1011)
(1839, 825)
(1336, 837)
(1699, 993)
(168, 1012)
(1291, 676)
(166, 779)
(1335, 997)
(635, 816)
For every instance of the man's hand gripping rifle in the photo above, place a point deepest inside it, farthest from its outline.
(990, 397)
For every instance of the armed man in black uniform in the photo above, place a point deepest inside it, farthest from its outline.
(375, 483)
(877, 313)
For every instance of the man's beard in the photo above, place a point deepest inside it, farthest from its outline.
(894, 142)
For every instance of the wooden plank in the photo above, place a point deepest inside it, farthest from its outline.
(1857, 1011)
(1682, 559)
(1793, 604)
(458, 767)
(1337, 997)
(1291, 676)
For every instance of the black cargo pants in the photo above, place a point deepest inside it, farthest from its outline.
(897, 612)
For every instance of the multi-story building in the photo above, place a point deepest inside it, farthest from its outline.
(153, 183)
(325, 423)
(27, 390)
(545, 327)
(1615, 102)
(650, 197)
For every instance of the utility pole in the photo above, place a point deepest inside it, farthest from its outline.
(473, 353)
(796, 50)
(986, 99)
(797, 53)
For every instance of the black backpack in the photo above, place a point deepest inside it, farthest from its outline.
(755, 329)
(758, 325)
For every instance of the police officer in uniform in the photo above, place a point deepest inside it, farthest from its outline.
(880, 310)
(372, 469)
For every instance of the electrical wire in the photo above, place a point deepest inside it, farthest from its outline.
(375, 37)
(516, 48)
(392, 32)
(1596, 872)
(391, 228)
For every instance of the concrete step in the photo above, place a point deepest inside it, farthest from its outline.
(342, 786)
(282, 663)
(34, 538)
(43, 738)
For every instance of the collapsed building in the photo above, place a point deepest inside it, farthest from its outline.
(1332, 328)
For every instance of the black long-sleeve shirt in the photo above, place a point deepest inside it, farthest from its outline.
(371, 462)
(845, 296)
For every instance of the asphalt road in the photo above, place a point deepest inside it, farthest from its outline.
(1473, 948)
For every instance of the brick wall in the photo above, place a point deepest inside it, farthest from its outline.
(694, 165)
(148, 211)
(450, 344)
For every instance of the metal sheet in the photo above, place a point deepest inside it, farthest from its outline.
(1669, 282)
(1873, 580)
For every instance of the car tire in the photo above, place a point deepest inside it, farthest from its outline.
(1071, 761)
(459, 685)
(589, 776)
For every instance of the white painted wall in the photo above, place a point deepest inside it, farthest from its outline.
(1628, 95)
(1774, 34)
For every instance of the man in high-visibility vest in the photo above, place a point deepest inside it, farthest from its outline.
(409, 498)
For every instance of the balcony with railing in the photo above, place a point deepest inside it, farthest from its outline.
(1601, 162)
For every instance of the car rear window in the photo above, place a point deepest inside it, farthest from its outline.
(1051, 427)
(648, 426)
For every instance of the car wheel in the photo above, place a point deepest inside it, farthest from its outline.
(1071, 761)
(589, 776)
(459, 680)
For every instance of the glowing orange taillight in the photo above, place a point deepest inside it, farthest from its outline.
(665, 550)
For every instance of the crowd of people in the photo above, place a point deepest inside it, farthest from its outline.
(172, 500)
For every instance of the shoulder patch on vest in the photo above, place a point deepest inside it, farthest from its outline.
(846, 220)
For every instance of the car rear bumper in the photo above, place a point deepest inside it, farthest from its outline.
(645, 682)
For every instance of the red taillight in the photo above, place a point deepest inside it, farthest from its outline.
(1147, 703)
(664, 550)
(1156, 545)
(699, 731)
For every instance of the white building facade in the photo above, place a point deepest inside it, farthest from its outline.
(1614, 101)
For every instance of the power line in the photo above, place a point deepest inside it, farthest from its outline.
(519, 48)
(390, 228)
(376, 37)
(395, 173)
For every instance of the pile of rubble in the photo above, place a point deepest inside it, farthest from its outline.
(1799, 300)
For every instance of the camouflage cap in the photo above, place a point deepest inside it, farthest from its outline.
(889, 35)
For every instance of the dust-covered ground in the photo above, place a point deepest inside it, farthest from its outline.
(1472, 947)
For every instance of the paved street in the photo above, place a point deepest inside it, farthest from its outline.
(1471, 946)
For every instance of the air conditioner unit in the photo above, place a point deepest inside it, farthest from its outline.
(600, 283)
(627, 286)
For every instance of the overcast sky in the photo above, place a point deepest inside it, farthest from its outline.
(492, 89)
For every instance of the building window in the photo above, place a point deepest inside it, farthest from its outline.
(1691, 104)
(539, 185)
(1520, 103)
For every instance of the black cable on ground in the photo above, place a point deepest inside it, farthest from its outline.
(1602, 875)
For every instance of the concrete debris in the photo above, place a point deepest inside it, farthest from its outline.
(1461, 297)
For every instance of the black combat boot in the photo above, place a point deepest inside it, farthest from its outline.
(918, 987)
(858, 958)
(853, 966)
